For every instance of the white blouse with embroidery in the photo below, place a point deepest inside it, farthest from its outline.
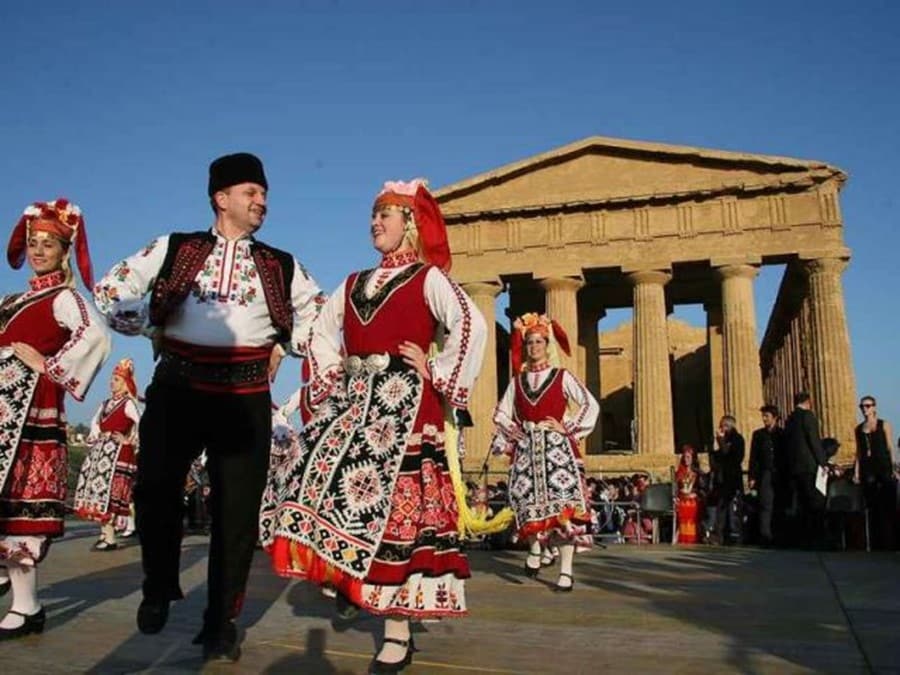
(448, 303)
(226, 306)
(581, 414)
(79, 360)
(107, 408)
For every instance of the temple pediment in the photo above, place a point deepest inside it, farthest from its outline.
(600, 170)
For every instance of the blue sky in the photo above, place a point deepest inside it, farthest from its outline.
(121, 105)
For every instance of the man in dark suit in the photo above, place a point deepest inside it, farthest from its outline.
(765, 451)
(806, 456)
(728, 480)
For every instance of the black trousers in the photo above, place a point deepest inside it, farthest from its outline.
(810, 511)
(729, 513)
(881, 500)
(236, 430)
(765, 489)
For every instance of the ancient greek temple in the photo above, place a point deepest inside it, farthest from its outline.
(607, 223)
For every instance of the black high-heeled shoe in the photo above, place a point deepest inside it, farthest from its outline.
(532, 572)
(564, 589)
(34, 623)
(386, 668)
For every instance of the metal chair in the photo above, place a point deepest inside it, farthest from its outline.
(656, 501)
(847, 498)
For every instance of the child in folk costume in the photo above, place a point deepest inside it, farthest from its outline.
(107, 474)
(369, 507)
(540, 419)
(51, 342)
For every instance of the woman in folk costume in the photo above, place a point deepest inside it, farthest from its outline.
(540, 419)
(369, 507)
(107, 474)
(688, 506)
(51, 342)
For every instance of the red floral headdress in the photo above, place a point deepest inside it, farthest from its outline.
(60, 218)
(125, 370)
(542, 325)
(415, 197)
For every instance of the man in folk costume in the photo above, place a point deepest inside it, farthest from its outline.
(223, 310)
(368, 506)
(543, 414)
(106, 479)
(51, 342)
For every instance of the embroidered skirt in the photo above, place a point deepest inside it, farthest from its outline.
(548, 491)
(367, 504)
(33, 462)
(106, 481)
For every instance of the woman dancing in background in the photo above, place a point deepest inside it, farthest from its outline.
(106, 479)
(540, 419)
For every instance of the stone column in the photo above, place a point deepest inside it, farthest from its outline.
(714, 342)
(484, 394)
(743, 379)
(589, 313)
(562, 306)
(833, 383)
(652, 377)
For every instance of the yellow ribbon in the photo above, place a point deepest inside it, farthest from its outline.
(469, 522)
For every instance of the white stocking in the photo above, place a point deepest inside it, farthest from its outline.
(534, 554)
(566, 558)
(399, 630)
(108, 532)
(24, 592)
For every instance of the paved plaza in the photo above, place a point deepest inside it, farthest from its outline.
(634, 610)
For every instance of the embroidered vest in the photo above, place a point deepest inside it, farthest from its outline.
(184, 260)
(549, 400)
(113, 417)
(397, 312)
(31, 321)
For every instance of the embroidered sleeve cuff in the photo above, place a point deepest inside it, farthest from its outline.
(57, 373)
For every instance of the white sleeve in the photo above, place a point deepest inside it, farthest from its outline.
(505, 414)
(132, 413)
(307, 301)
(454, 369)
(94, 433)
(580, 421)
(324, 354)
(119, 295)
(76, 364)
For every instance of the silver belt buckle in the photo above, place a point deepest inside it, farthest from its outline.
(353, 365)
(373, 363)
(376, 363)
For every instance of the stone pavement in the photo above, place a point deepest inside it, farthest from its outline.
(634, 609)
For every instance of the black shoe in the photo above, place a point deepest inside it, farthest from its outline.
(532, 572)
(222, 647)
(381, 667)
(4, 587)
(344, 609)
(34, 623)
(564, 589)
(152, 616)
